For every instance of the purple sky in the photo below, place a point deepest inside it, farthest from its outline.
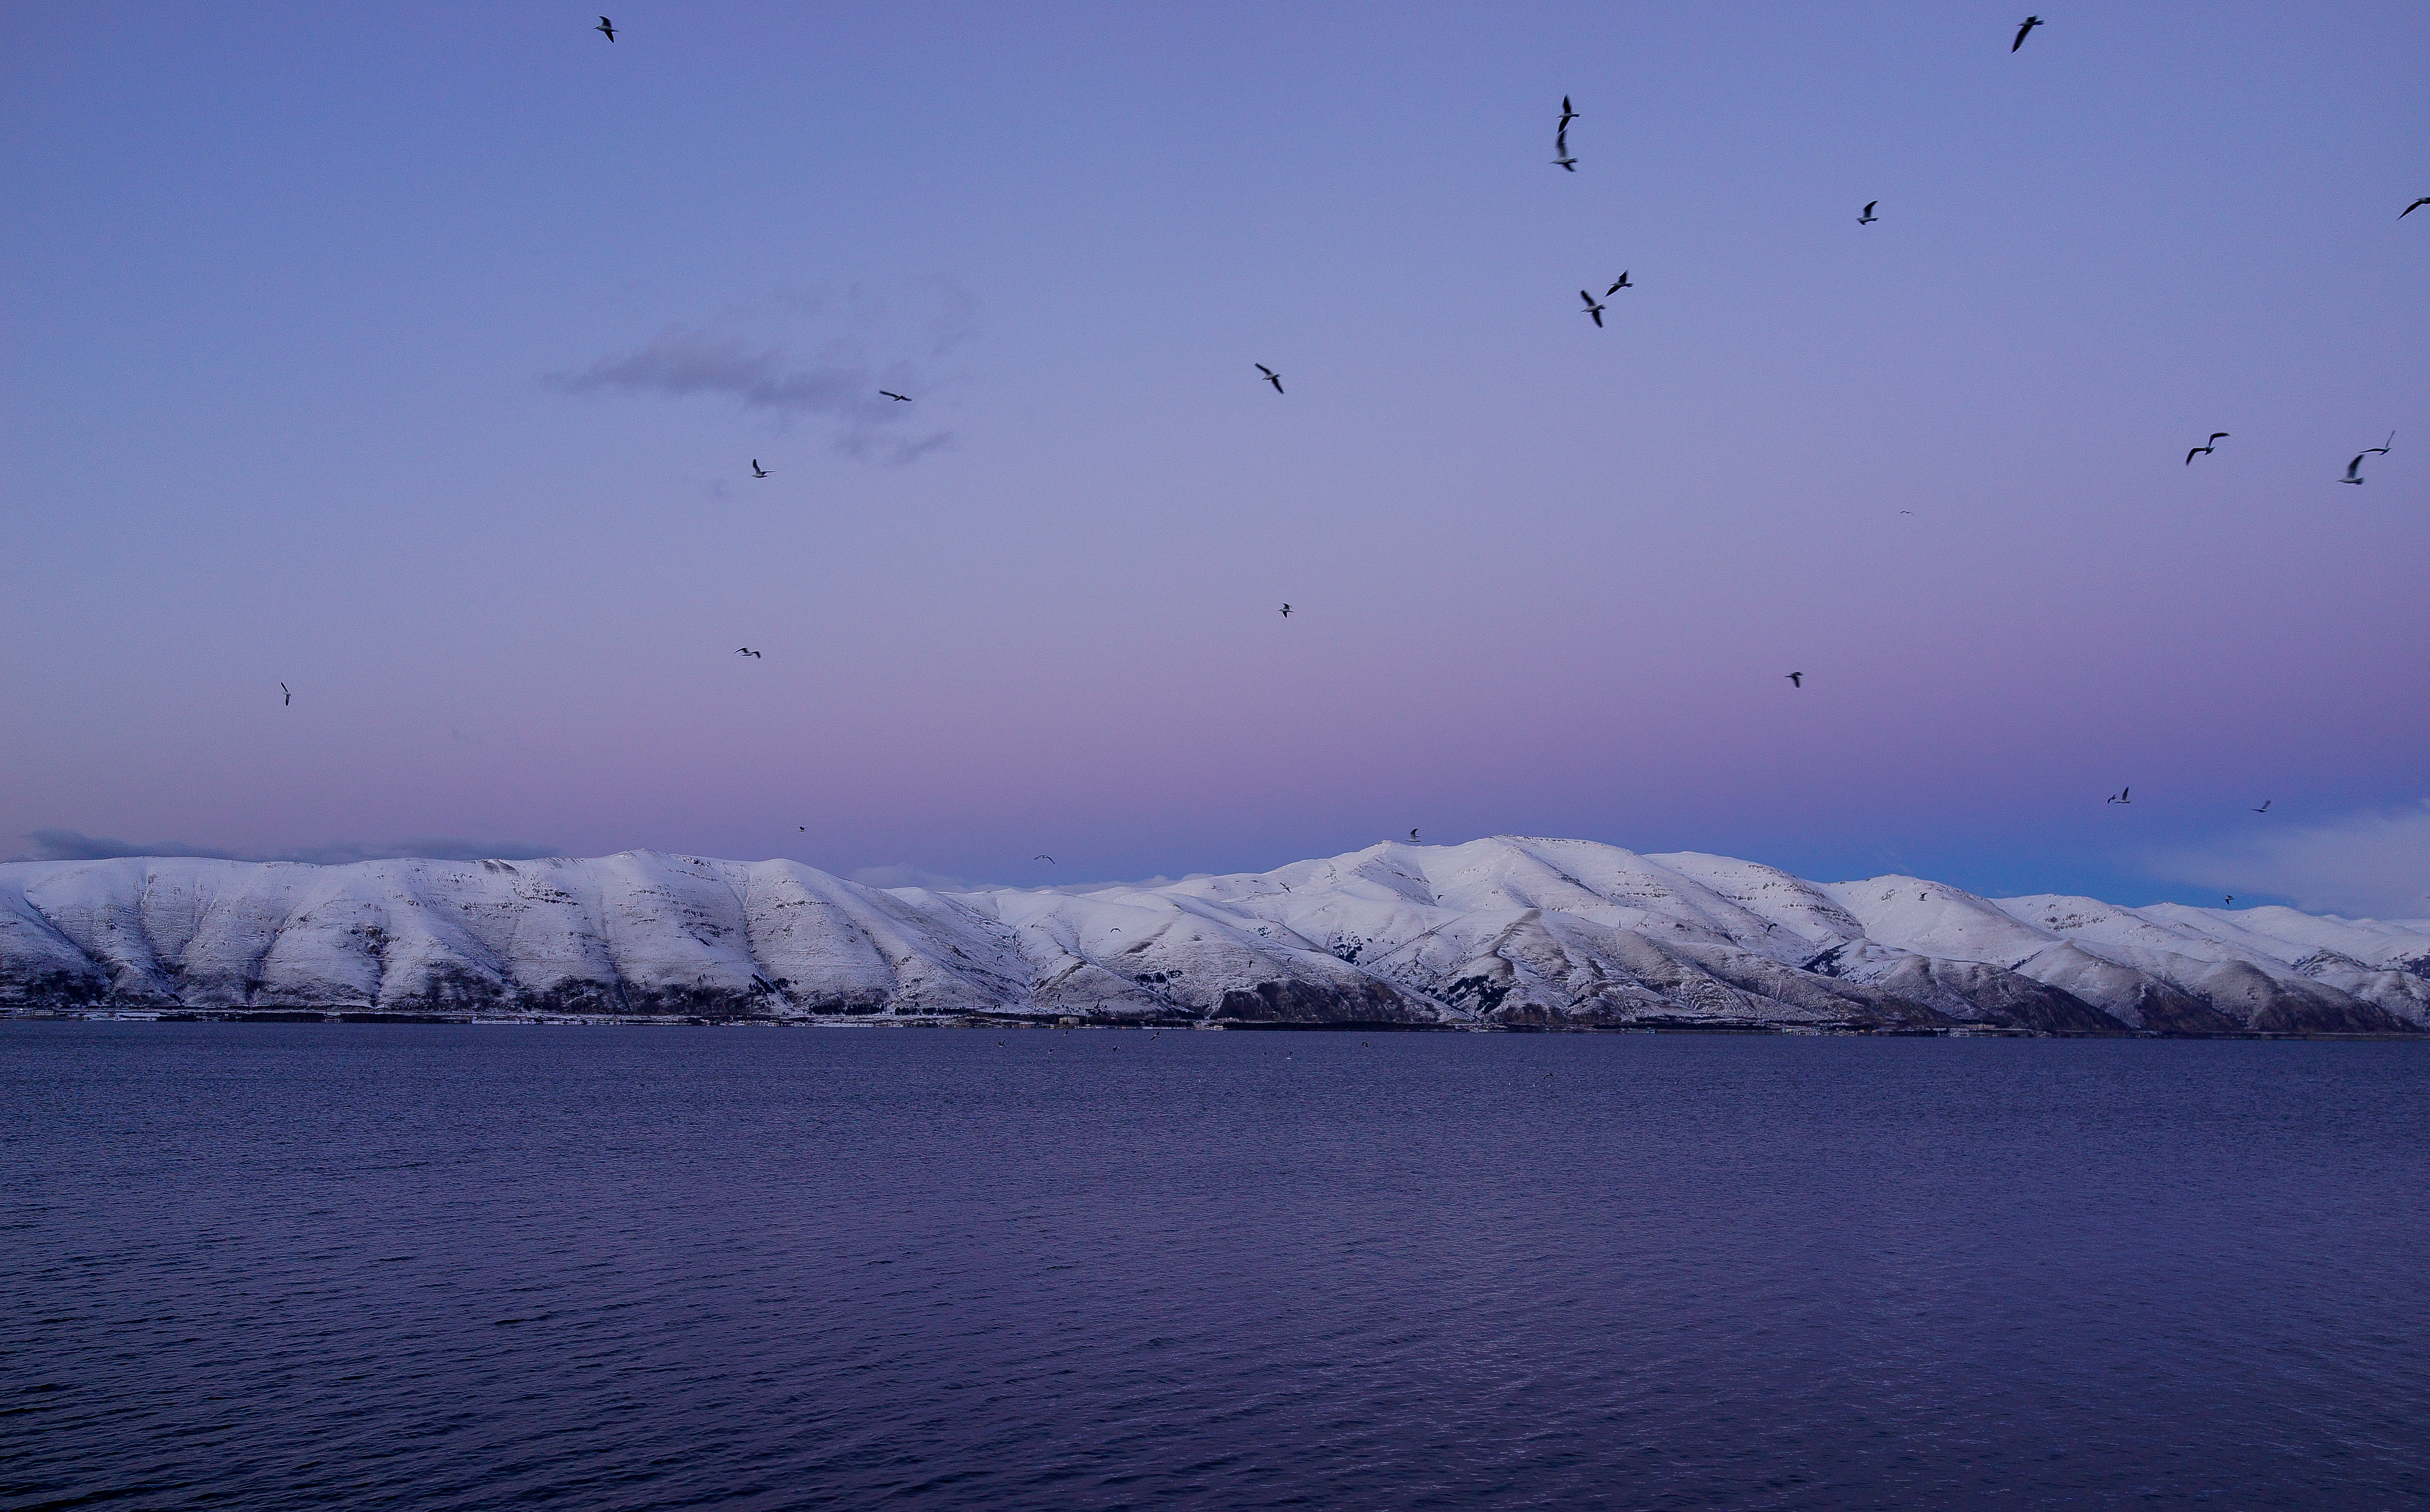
(416, 357)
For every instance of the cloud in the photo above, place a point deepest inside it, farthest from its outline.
(69, 845)
(841, 383)
(2369, 865)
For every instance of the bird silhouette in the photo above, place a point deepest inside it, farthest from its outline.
(2205, 449)
(756, 471)
(2119, 797)
(1286, 611)
(1413, 834)
(2265, 806)
(746, 651)
(1622, 284)
(1568, 115)
(1043, 856)
(2415, 205)
(1868, 218)
(1593, 308)
(1271, 376)
(1796, 679)
(285, 697)
(605, 27)
(2031, 22)
(898, 398)
(2354, 470)
(2229, 900)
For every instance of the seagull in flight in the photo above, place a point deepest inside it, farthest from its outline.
(285, 697)
(1271, 376)
(1868, 218)
(746, 651)
(605, 26)
(1593, 308)
(1286, 611)
(2031, 22)
(1413, 834)
(756, 471)
(1043, 856)
(2353, 469)
(1622, 283)
(2119, 796)
(2265, 806)
(1796, 679)
(1568, 115)
(2415, 205)
(2229, 900)
(2205, 449)
(898, 398)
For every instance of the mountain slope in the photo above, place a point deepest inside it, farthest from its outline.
(1511, 932)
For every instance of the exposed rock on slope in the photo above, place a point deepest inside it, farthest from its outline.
(1503, 933)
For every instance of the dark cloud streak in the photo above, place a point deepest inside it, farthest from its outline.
(71, 846)
(840, 384)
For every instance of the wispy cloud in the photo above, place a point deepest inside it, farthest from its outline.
(862, 348)
(2373, 865)
(70, 846)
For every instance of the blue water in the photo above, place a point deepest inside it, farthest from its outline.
(327, 1266)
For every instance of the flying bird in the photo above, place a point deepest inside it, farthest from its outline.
(746, 651)
(604, 25)
(2031, 22)
(1796, 679)
(2415, 205)
(2119, 797)
(1593, 308)
(1616, 287)
(2205, 449)
(898, 398)
(1048, 859)
(1271, 376)
(2354, 470)
(285, 697)
(2229, 900)
(1568, 115)
(1413, 834)
(756, 471)
(1286, 611)
(1868, 218)
(2265, 806)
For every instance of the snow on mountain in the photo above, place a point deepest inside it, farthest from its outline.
(1511, 932)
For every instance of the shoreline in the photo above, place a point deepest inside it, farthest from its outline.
(345, 1016)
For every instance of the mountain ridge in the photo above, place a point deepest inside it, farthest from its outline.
(1509, 932)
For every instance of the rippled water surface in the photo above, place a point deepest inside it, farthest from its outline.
(338, 1266)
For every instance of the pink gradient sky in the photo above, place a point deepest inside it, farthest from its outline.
(296, 295)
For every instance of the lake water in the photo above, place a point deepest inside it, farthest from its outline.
(399, 1267)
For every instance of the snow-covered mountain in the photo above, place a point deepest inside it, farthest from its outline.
(1511, 932)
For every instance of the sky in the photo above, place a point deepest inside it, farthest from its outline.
(417, 359)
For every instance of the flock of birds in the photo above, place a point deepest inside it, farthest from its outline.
(1567, 161)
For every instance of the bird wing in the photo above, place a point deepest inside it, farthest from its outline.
(1869, 206)
(2356, 466)
(2218, 435)
(1262, 368)
(2196, 452)
(2410, 208)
